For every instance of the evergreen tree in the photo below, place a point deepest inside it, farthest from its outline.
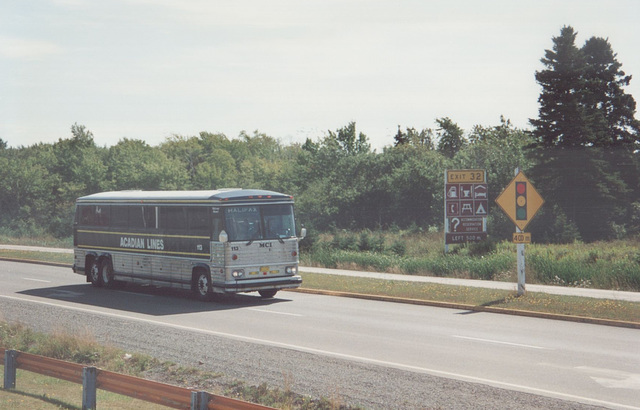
(584, 132)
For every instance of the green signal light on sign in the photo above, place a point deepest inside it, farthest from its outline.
(521, 201)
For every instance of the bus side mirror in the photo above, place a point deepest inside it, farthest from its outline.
(303, 233)
(223, 237)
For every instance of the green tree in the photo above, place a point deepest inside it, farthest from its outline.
(450, 137)
(27, 202)
(584, 117)
(218, 170)
(347, 141)
(133, 164)
(423, 138)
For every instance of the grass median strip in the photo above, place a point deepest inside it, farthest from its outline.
(65, 258)
(466, 295)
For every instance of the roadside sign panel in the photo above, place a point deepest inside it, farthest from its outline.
(520, 201)
(466, 205)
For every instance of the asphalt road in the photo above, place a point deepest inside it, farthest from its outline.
(371, 353)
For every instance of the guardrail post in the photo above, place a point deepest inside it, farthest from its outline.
(89, 377)
(10, 366)
(199, 400)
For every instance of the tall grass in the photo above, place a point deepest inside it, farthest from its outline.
(605, 265)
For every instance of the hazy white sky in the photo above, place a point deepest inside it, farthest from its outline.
(148, 69)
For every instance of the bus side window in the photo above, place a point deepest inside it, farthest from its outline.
(149, 217)
(216, 223)
(136, 217)
(93, 215)
(173, 218)
(102, 215)
(198, 220)
(84, 214)
(120, 215)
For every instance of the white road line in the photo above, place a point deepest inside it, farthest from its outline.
(495, 383)
(37, 280)
(277, 313)
(477, 339)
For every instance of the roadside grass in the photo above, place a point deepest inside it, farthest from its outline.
(37, 256)
(45, 241)
(34, 391)
(531, 301)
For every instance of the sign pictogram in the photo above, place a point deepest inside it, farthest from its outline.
(520, 201)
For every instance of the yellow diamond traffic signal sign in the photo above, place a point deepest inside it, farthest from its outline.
(520, 201)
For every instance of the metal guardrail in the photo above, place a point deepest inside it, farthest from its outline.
(92, 378)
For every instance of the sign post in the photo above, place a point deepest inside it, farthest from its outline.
(520, 201)
(466, 203)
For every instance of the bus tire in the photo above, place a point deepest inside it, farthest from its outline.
(106, 273)
(268, 293)
(94, 273)
(202, 285)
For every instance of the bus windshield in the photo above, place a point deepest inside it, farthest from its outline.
(256, 222)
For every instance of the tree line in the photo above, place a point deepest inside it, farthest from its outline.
(583, 155)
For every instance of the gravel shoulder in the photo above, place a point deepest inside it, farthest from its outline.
(342, 381)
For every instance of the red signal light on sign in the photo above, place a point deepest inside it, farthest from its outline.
(521, 201)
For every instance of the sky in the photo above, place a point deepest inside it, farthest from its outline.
(291, 69)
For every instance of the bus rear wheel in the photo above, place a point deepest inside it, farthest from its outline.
(202, 285)
(106, 273)
(94, 273)
(267, 294)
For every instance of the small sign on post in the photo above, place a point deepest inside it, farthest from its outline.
(522, 237)
(520, 201)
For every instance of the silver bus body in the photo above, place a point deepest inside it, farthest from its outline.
(211, 242)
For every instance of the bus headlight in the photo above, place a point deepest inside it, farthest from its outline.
(238, 273)
(291, 270)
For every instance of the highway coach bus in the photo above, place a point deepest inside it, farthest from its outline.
(211, 242)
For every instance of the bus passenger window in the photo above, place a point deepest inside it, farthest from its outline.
(120, 215)
(198, 219)
(136, 218)
(173, 218)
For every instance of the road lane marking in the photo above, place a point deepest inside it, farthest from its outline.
(612, 379)
(273, 311)
(37, 280)
(477, 339)
(362, 359)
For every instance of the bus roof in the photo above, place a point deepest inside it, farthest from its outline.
(220, 195)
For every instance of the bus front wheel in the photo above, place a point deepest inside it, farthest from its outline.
(267, 294)
(202, 285)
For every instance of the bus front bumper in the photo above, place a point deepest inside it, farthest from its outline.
(251, 285)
